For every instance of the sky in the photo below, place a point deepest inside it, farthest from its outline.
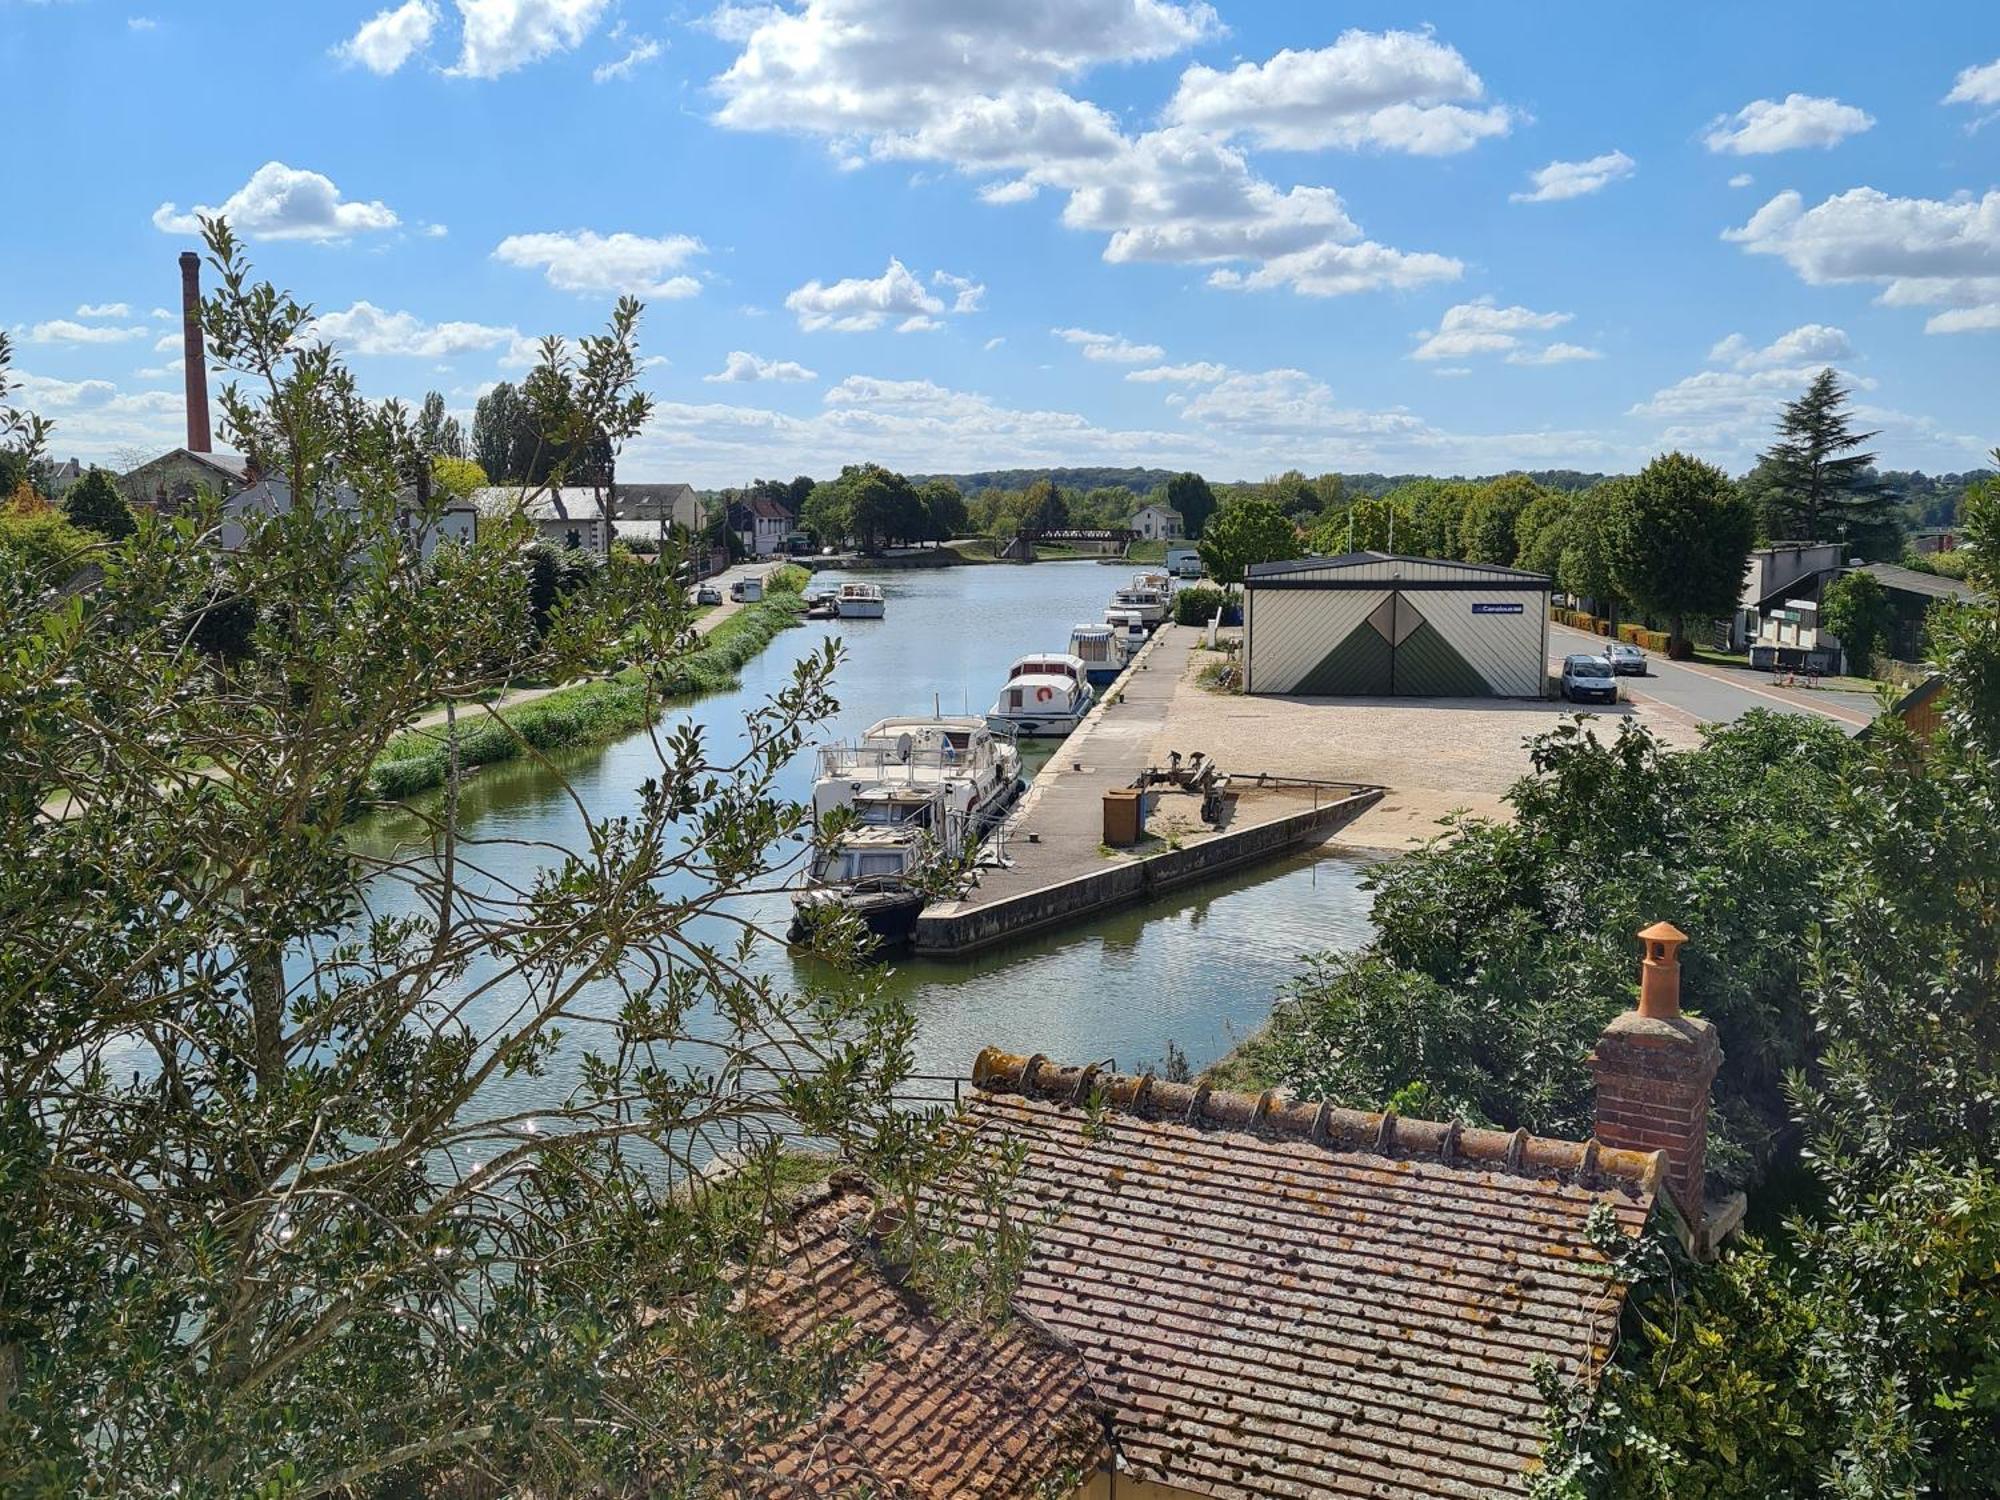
(948, 235)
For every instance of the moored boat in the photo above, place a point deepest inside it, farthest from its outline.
(1046, 696)
(860, 601)
(1097, 647)
(1146, 596)
(921, 792)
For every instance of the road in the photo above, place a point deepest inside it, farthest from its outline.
(1709, 695)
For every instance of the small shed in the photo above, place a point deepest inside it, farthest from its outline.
(1372, 624)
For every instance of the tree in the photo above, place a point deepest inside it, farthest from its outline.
(339, 1165)
(438, 432)
(1296, 496)
(1857, 609)
(944, 509)
(1190, 495)
(1584, 567)
(94, 504)
(1246, 533)
(1818, 483)
(457, 478)
(1486, 529)
(826, 514)
(1047, 510)
(496, 421)
(881, 505)
(1679, 536)
(1436, 508)
(1362, 526)
(1541, 532)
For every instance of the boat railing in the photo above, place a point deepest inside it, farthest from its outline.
(850, 762)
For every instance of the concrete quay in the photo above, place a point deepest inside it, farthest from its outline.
(1050, 863)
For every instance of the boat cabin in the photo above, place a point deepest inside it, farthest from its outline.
(1050, 664)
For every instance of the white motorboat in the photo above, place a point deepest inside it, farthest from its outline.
(1128, 633)
(1097, 647)
(1147, 596)
(1046, 696)
(919, 792)
(859, 601)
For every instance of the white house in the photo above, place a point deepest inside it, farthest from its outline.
(570, 516)
(272, 496)
(1156, 523)
(677, 504)
(761, 524)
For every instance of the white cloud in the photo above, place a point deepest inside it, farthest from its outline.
(861, 304)
(643, 51)
(1019, 190)
(283, 203)
(63, 331)
(1198, 372)
(1741, 180)
(141, 23)
(161, 312)
(1922, 252)
(743, 366)
(391, 38)
(1394, 90)
(1798, 120)
(980, 88)
(1553, 354)
(1482, 328)
(168, 343)
(994, 343)
(967, 294)
(365, 328)
(1573, 179)
(172, 367)
(96, 420)
(1977, 85)
(1451, 372)
(1111, 347)
(500, 36)
(1808, 344)
(584, 261)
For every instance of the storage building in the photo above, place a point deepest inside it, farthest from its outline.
(1376, 625)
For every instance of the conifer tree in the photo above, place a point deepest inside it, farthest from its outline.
(1819, 483)
(94, 504)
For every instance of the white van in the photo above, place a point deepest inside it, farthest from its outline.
(1184, 562)
(747, 590)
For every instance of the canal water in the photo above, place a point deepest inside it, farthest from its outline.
(1197, 969)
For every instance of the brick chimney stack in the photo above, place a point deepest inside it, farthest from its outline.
(194, 357)
(1653, 1068)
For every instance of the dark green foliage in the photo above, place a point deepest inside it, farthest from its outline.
(1486, 530)
(1199, 604)
(1046, 508)
(438, 434)
(1857, 609)
(1815, 482)
(1678, 536)
(945, 515)
(94, 504)
(1190, 495)
(1502, 949)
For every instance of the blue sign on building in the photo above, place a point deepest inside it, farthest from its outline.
(1496, 609)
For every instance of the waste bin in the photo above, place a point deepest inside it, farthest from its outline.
(1124, 816)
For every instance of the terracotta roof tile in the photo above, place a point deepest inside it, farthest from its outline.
(939, 1410)
(1290, 1299)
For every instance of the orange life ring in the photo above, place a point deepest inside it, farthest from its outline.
(1042, 694)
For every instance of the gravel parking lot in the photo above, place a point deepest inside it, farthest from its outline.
(1435, 755)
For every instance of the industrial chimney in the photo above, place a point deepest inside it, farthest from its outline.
(194, 357)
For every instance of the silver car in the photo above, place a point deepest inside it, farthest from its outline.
(1626, 661)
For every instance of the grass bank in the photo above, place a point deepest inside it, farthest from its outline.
(602, 709)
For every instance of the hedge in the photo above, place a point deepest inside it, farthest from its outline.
(416, 761)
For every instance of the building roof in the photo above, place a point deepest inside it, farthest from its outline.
(1288, 1299)
(572, 502)
(230, 465)
(1361, 560)
(1165, 510)
(1910, 581)
(942, 1408)
(762, 507)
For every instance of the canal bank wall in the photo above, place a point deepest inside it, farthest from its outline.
(968, 927)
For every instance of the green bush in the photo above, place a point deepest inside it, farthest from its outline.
(417, 761)
(1198, 605)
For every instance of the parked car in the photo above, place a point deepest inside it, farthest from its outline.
(747, 590)
(708, 593)
(1626, 661)
(1589, 679)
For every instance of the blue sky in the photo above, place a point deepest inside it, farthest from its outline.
(949, 234)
